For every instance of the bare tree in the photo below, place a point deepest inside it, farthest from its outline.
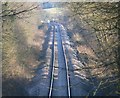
(101, 21)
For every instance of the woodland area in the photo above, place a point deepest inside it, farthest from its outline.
(95, 32)
(21, 42)
(92, 27)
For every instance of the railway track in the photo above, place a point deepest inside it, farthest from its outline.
(63, 78)
(58, 79)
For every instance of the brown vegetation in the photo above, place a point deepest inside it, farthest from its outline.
(93, 27)
(20, 50)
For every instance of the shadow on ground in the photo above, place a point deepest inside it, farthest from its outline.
(14, 87)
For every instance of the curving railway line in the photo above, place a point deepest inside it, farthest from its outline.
(58, 79)
(63, 80)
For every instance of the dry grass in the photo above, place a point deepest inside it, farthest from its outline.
(21, 46)
(86, 50)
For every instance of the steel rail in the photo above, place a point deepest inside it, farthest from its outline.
(53, 60)
(67, 70)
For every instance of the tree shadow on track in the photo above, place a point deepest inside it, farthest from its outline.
(40, 83)
(42, 53)
(78, 85)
